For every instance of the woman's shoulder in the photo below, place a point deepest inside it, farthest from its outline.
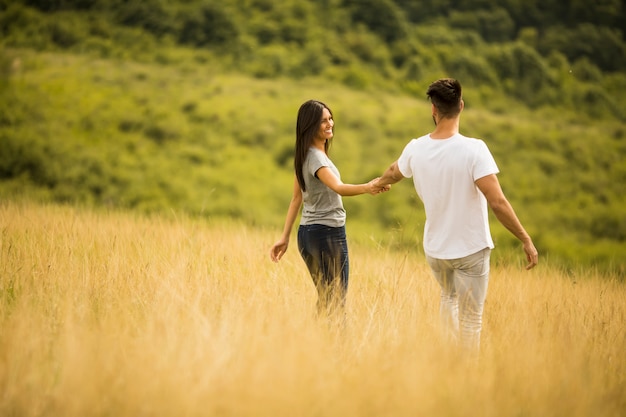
(317, 154)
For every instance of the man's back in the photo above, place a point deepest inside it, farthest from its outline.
(443, 172)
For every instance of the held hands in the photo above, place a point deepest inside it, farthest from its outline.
(375, 188)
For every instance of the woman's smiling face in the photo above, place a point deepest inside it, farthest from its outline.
(325, 131)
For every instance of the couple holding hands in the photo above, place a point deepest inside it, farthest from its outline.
(454, 176)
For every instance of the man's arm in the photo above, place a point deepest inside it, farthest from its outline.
(490, 187)
(391, 176)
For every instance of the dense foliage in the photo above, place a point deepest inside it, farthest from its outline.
(190, 105)
(528, 50)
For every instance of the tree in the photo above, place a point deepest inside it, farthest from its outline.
(600, 44)
(150, 15)
(57, 5)
(494, 25)
(212, 25)
(382, 17)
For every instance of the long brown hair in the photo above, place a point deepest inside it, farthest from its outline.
(307, 125)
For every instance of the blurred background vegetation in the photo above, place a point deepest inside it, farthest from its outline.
(189, 106)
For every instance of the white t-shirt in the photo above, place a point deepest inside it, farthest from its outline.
(444, 172)
(321, 205)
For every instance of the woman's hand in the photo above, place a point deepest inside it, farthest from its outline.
(278, 249)
(375, 188)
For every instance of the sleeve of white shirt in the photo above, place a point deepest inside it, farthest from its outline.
(484, 164)
(404, 162)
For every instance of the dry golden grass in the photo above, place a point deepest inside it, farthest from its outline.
(109, 314)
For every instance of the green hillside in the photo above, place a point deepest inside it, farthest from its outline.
(189, 107)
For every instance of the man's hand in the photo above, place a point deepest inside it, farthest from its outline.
(374, 187)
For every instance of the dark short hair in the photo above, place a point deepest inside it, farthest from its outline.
(445, 94)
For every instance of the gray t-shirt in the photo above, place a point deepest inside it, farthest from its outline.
(321, 204)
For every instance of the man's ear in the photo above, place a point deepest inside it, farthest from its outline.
(462, 104)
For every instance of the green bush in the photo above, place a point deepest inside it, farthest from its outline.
(36, 160)
(596, 102)
(602, 45)
(150, 15)
(23, 27)
(472, 69)
(59, 5)
(584, 70)
(212, 25)
(524, 72)
(67, 31)
(494, 25)
(171, 118)
(382, 17)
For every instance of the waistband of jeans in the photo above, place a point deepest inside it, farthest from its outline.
(315, 227)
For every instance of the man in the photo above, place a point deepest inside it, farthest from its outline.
(455, 177)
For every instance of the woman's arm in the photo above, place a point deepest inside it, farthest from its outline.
(280, 247)
(331, 181)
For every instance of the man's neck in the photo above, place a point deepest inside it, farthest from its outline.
(446, 128)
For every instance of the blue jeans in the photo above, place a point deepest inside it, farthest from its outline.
(463, 285)
(325, 253)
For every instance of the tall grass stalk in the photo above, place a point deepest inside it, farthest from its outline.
(114, 314)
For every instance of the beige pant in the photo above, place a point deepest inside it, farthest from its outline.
(463, 285)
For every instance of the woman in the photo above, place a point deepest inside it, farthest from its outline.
(318, 189)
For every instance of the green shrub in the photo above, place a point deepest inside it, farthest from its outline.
(212, 25)
(150, 15)
(356, 77)
(271, 61)
(26, 157)
(494, 25)
(524, 73)
(473, 70)
(596, 102)
(584, 70)
(602, 45)
(59, 5)
(24, 27)
(67, 30)
(432, 36)
(382, 17)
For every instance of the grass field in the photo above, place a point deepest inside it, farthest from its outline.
(117, 314)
